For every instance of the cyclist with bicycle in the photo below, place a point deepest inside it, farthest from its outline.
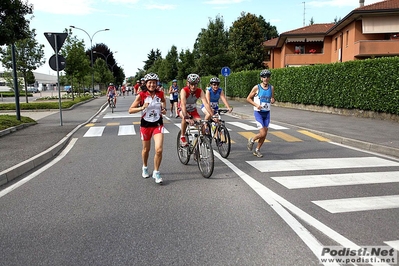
(111, 94)
(151, 125)
(188, 104)
(213, 94)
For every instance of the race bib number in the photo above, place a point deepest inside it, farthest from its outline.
(265, 106)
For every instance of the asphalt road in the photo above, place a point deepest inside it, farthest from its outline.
(92, 207)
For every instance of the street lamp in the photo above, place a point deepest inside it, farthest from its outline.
(91, 52)
(106, 57)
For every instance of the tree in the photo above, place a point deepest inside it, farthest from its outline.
(168, 67)
(268, 31)
(212, 49)
(13, 24)
(102, 74)
(311, 22)
(77, 63)
(152, 57)
(29, 57)
(246, 43)
(186, 64)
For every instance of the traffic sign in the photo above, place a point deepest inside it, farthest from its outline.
(53, 62)
(60, 39)
(226, 71)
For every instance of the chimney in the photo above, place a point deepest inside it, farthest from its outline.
(361, 3)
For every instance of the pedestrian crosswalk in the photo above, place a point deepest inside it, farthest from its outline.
(339, 205)
(245, 130)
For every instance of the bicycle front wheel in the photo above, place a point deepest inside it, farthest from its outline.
(223, 141)
(183, 152)
(205, 157)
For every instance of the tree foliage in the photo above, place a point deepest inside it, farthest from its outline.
(152, 57)
(29, 56)
(212, 49)
(13, 24)
(246, 43)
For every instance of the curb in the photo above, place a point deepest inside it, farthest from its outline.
(28, 165)
(13, 129)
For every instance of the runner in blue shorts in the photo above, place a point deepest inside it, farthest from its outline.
(261, 97)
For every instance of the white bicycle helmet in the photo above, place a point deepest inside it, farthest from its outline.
(265, 73)
(151, 76)
(214, 80)
(193, 78)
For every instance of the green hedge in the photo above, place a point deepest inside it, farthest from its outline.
(370, 85)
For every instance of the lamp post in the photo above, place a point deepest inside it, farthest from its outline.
(106, 57)
(91, 52)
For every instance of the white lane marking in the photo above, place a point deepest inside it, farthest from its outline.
(393, 243)
(126, 130)
(266, 194)
(309, 181)
(359, 204)
(319, 164)
(94, 132)
(242, 125)
(41, 170)
(274, 126)
(307, 237)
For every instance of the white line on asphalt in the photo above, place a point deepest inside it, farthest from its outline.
(121, 115)
(274, 200)
(310, 181)
(359, 204)
(320, 163)
(39, 171)
(274, 126)
(126, 130)
(94, 132)
(242, 125)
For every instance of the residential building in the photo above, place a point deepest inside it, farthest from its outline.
(369, 31)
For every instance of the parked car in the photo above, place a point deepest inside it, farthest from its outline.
(33, 89)
(68, 88)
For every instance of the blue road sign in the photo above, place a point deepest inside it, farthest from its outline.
(226, 71)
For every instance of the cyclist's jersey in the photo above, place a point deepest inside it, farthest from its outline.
(191, 98)
(214, 98)
(152, 116)
(175, 93)
(111, 91)
(263, 98)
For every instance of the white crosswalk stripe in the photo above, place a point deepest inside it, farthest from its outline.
(319, 164)
(310, 181)
(359, 204)
(126, 130)
(242, 125)
(95, 131)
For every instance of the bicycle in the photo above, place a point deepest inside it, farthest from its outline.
(112, 104)
(198, 145)
(219, 132)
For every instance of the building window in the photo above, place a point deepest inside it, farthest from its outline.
(336, 44)
(347, 38)
(299, 49)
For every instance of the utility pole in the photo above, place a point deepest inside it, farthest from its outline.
(303, 13)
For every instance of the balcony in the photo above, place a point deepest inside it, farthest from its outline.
(376, 48)
(306, 59)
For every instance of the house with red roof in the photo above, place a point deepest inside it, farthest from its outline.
(369, 31)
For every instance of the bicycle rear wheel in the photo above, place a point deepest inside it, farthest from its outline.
(183, 152)
(223, 141)
(205, 157)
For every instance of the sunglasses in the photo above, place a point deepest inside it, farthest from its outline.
(215, 83)
(266, 76)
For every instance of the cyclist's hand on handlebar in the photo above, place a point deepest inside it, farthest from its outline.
(230, 109)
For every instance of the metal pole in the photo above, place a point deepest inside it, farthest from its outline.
(225, 86)
(16, 90)
(58, 77)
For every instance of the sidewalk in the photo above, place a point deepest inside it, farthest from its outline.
(25, 149)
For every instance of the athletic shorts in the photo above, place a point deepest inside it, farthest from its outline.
(147, 132)
(173, 100)
(194, 114)
(262, 119)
